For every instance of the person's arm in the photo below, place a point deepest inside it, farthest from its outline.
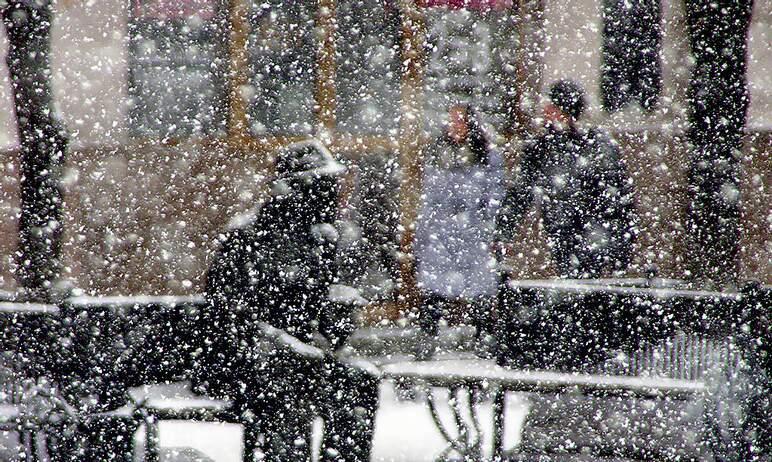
(613, 184)
(226, 279)
(616, 200)
(492, 193)
(518, 197)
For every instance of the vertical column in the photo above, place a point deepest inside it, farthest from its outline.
(43, 148)
(325, 80)
(718, 95)
(410, 144)
(237, 75)
(529, 20)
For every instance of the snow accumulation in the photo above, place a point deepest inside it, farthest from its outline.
(14, 307)
(404, 431)
(117, 300)
(614, 288)
(487, 373)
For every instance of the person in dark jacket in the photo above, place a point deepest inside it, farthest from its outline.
(585, 194)
(268, 290)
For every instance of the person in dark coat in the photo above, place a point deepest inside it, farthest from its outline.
(268, 290)
(585, 194)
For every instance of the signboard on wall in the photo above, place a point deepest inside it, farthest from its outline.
(477, 5)
(174, 9)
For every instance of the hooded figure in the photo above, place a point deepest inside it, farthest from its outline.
(268, 290)
(580, 181)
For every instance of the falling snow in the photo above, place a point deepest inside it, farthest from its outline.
(387, 230)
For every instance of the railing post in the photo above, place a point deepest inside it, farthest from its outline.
(499, 403)
(153, 440)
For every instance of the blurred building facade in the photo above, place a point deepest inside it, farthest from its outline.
(176, 106)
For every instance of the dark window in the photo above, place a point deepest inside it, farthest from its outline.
(177, 64)
(369, 240)
(632, 40)
(368, 83)
(282, 63)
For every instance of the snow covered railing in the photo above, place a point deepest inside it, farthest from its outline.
(104, 346)
(637, 335)
(137, 300)
(113, 343)
(24, 308)
(575, 324)
(486, 374)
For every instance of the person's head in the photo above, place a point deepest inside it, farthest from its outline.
(566, 104)
(464, 127)
(310, 170)
(307, 159)
(458, 123)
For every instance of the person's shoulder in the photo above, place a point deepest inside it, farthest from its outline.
(435, 146)
(599, 136)
(495, 158)
(437, 142)
(602, 143)
(247, 228)
(534, 146)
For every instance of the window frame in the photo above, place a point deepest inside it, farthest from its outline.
(411, 139)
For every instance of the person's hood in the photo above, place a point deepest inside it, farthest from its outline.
(318, 162)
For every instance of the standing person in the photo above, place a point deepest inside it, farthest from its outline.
(462, 187)
(586, 197)
(275, 273)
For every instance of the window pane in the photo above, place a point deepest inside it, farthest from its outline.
(368, 84)
(471, 58)
(176, 74)
(282, 55)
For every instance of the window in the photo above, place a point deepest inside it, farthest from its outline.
(368, 66)
(369, 240)
(632, 40)
(177, 64)
(282, 67)
(470, 58)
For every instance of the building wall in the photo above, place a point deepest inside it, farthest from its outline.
(89, 66)
(144, 218)
(573, 33)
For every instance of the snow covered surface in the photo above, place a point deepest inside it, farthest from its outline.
(171, 300)
(15, 307)
(173, 396)
(612, 286)
(404, 431)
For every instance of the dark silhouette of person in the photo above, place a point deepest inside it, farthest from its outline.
(268, 290)
(585, 194)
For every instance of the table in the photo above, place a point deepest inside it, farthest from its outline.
(474, 376)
